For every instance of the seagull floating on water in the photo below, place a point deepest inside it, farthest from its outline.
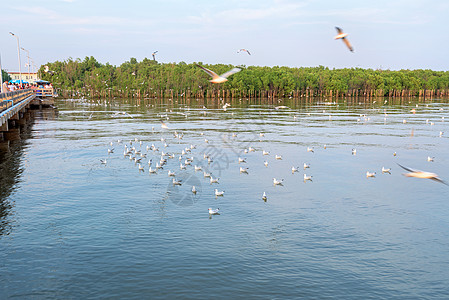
(369, 174)
(243, 170)
(264, 197)
(307, 178)
(214, 211)
(277, 182)
(218, 194)
(385, 170)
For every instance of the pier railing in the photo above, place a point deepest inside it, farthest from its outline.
(10, 99)
(44, 92)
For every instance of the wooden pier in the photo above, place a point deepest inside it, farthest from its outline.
(15, 106)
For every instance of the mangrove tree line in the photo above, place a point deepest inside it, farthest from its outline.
(149, 78)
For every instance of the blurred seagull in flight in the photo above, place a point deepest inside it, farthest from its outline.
(163, 125)
(422, 174)
(219, 78)
(243, 50)
(341, 35)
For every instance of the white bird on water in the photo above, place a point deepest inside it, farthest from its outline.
(294, 169)
(175, 182)
(219, 78)
(243, 170)
(370, 174)
(430, 158)
(278, 157)
(218, 194)
(214, 211)
(385, 170)
(306, 166)
(264, 197)
(170, 173)
(265, 164)
(194, 190)
(310, 149)
(213, 180)
(277, 182)
(242, 160)
(307, 178)
(265, 152)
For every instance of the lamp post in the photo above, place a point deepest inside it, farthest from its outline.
(28, 55)
(18, 54)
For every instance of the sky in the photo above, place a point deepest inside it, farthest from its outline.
(385, 34)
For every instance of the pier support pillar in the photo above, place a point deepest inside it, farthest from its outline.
(12, 135)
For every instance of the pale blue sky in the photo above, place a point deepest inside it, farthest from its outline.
(404, 34)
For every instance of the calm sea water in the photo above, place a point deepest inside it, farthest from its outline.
(74, 228)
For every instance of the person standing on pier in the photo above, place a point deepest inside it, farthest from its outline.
(5, 87)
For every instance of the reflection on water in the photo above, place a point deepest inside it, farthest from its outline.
(112, 231)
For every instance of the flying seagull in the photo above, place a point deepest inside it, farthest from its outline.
(219, 78)
(421, 174)
(243, 50)
(154, 55)
(47, 70)
(341, 35)
(163, 125)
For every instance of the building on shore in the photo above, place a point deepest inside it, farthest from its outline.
(29, 77)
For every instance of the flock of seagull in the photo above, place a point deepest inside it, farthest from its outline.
(134, 150)
(189, 158)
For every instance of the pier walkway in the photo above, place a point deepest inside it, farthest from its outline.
(14, 108)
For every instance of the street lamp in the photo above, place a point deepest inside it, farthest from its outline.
(28, 55)
(18, 53)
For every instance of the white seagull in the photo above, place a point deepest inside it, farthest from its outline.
(219, 78)
(244, 50)
(214, 211)
(218, 194)
(341, 35)
(385, 170)
(421, 174)
(277, 182)
(306, 178)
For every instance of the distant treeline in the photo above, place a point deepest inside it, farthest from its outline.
(148, 79)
